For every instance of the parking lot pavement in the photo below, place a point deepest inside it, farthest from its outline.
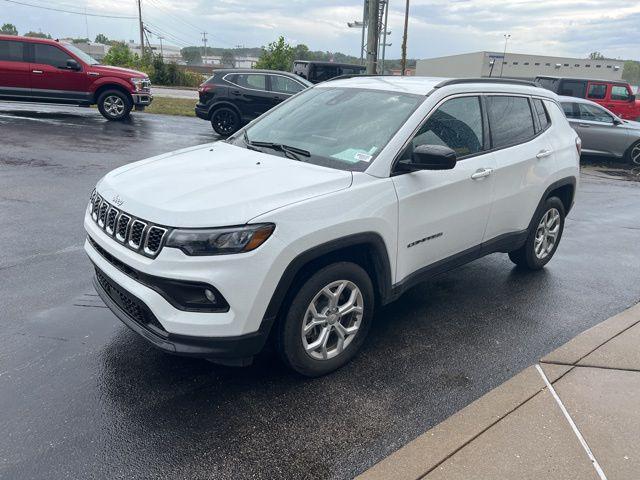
(83, 397)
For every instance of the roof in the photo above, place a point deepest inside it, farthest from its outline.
(425, 85)
(21, 38)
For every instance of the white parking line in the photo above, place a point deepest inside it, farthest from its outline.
(583, 442)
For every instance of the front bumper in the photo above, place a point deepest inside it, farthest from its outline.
(218, 348)
(142, 99)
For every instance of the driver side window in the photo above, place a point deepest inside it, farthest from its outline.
(456, 124)
(594, 114)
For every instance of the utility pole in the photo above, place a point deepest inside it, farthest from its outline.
(384, 33)
(372, 37)
(140, 24)
(403, 62)
(161, 51)
(365, 12)
(204, 42)
(504, 54)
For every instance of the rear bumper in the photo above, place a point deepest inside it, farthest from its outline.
(142, 99)
(215, 348)
(202, 111)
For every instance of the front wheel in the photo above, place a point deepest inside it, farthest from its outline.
(114, 105)
(633, 154)
(225, 121)
(544, 238)
(327, 321)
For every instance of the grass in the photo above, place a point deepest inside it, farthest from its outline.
(172, 106)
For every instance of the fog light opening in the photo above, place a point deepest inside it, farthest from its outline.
(210, 296)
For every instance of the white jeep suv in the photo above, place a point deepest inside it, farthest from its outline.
(336, 201)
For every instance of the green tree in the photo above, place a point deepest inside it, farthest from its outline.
(596, 56)
(9, 29)
(119, 55)
(631, 72)
(301, 52)
(101, 38)
(37, 35)
(277, 55)
(191, 55)
(228, 59)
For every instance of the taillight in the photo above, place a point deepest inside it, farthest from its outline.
(205, 87)
(579, 145)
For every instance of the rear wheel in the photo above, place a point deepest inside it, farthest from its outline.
(633, 154)
(328, 320)
(114, 105)
(543, 240)
(225, 121)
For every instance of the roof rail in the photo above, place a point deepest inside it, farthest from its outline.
(511, 81)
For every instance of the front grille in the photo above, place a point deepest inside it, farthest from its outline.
(131, 305)
(134, 233)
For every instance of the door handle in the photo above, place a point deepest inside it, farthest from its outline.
(235, 92)
(583, 125)
(544, 154)
(37, 71)
(481, 173)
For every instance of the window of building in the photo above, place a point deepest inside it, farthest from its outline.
(577, 65)
(526, 63)
(547, 64)
(515, 63)
(537, 64)
(588, 66)
(598, 66)
(566, 64)
(510, 120)
(457, 124)
(608, 66)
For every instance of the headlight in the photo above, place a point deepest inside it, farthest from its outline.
(220, 241)
(139, 83)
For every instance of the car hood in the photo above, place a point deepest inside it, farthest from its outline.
(631, 125)
(117, 71)
(215, 185)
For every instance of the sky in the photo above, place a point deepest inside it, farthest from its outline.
(436, 27)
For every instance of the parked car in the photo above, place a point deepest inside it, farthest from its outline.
(602, 132)
(231, 98)
(337, 200)
(616, 96)
(317, 72)
(48, 71)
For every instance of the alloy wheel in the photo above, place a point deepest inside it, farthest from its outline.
(547, 234)
(332, 320)
(224, 122)
(114, 105)
(635, 154)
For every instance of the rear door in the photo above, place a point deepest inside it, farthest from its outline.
(249, 92)
(14, 69)
(445, 212)
(524, 161)
(50, 77)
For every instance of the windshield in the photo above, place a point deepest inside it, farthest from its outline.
(85, 57)
(342, 128)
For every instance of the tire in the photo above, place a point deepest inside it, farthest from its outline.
(537, 251)
(297, 349)
(225, 121)
(632, 155)
(114, 105)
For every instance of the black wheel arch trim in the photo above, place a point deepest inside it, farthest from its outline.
(572, 181)
(380, 262)
(221, 104)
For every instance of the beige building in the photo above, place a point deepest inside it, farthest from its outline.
(518, 65)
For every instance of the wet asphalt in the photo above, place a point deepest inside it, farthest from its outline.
(81, 396)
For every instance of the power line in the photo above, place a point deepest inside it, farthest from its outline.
(70, 11)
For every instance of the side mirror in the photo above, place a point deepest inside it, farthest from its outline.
(617, 121)
(72, 64)
(433, 157)
(632, 98)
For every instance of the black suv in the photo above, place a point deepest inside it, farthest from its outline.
(317, 72)
(231, 98)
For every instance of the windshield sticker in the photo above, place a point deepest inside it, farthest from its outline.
(354, 155)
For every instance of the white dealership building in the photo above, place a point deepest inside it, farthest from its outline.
(518, 65)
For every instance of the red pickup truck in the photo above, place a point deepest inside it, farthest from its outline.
(616, 96)
(49, 71)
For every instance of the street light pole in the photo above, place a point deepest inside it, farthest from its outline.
(403, 62)
(504, 54)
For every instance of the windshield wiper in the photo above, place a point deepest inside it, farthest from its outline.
(248, 142)
(291, 152)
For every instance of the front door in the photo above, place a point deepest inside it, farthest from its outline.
(251, 95)
(445, 212)
(51, 79)
(622, 102)
(598, 131)
(14, 70)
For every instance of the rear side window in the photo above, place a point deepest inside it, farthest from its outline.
(510, 120)
(571, 110)
(619, 92)
(541, 113)
(11, 51)
(456, 124)
(597, 91)
(573, 88)
(50, 55)
(253, 81)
